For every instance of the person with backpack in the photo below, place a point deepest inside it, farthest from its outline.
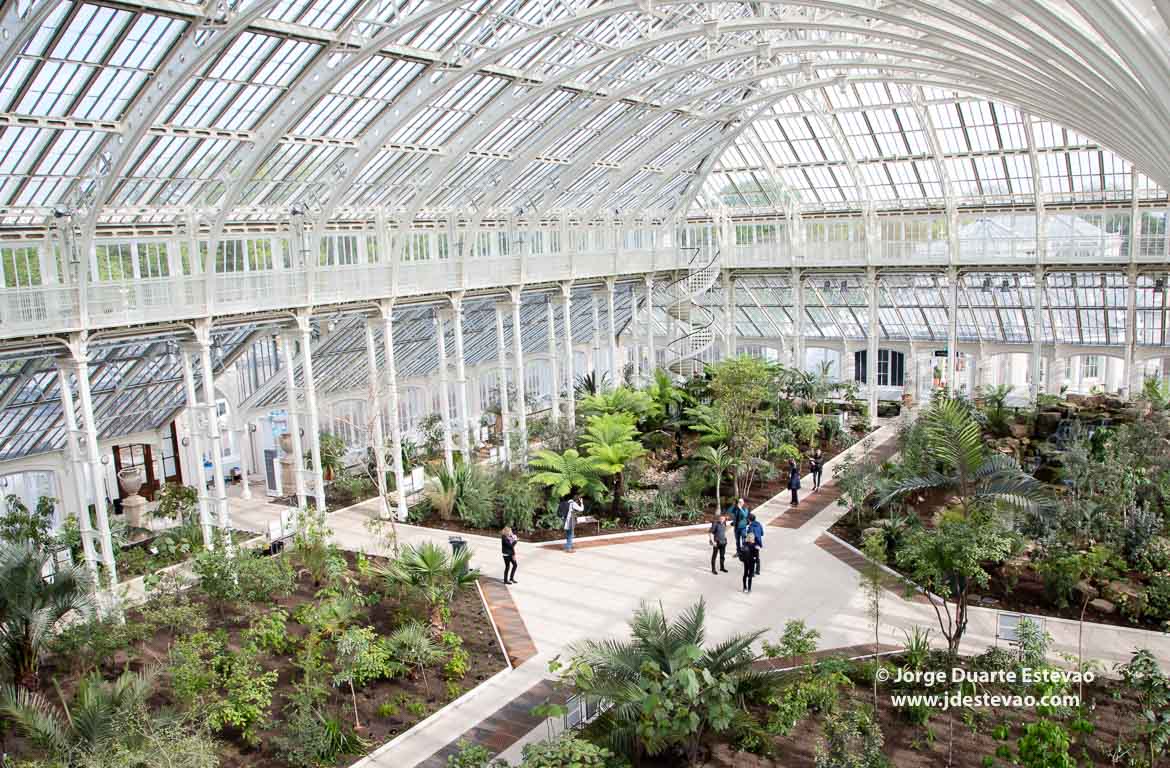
(755, 529)
(572, 509)
(739, 520)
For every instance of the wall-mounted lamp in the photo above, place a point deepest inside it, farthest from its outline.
(185, 441)
(251, 428)
(106, 459)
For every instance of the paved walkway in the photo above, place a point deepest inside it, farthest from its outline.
(564, 598)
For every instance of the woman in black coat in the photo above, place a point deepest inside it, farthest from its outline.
(794, 481)
(508, 546)
(749, 553)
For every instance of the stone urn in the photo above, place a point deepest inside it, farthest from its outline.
(133, 505)
(286, 445)
(288, 478)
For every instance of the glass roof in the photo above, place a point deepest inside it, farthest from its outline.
(490, 106)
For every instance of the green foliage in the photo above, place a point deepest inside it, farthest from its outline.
(566, 473)
(739, 389)
(709, 423)
(950, 559)
(179, 502)
(433, 573)
(517, 501)
(31, 607)
(1151, 688)
(797, 639)
(565, 751)
(638, 404)
(269, 632)
(412, 645)
(332, 449)
(469, 756)
(611, 440)
(310, 738)
(228, 687)
(20, 525)
(667, 691)
(805, 427)
(852, 739)
(262, 579)
(1158, 597)
(459, 661)
(363, 656)
(311, 544)
(814, 690)
(1045, 745)
(962, 464)
(218, 573)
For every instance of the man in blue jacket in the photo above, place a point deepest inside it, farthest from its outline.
(756, 528)
(739, 520)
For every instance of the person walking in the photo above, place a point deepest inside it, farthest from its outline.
(756, 531)
(508, 546)
(575, 507)
(818, 466)
(794, 481)
(739, 520)
(717, 538)
(749, 555)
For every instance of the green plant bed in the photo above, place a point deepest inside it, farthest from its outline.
(160, 551)
(237, 669)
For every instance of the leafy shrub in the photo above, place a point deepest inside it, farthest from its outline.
(1158, 596)
(269, 632)
(796, 640)
(229, 688)
(517, 500)
(1045, 745)
(805, 427)
(853, 739)
(459, 661)
(218, 574)
(363, 656)
(470, 756)
(412, 645)
(310, 738)
(264, 578)
(566, 750)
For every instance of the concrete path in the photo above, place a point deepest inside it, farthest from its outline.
(564, 598)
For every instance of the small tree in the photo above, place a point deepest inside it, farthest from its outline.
(434, 574)
(717, 458)
(362, 656)
(567, 472)
(739, 390)
(948, 560)
(411, 645)
(872, 578)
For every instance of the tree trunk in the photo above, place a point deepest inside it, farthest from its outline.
(617, 495)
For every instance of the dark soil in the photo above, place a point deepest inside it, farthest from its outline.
(468, 619)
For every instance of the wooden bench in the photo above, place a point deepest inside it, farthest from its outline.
(582, 519)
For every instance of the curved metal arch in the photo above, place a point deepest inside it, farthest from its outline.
(620, 129)
(18, 28)
(420, 197)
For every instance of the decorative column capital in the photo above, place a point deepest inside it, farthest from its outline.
(303, 320)
(649, 281)
(610, 282)
(386, 309)
(567, 289)
(456, 299)
(202, 329)
(514, 293)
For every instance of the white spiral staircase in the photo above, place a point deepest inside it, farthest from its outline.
(696, 332)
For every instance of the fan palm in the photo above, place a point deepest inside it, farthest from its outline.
(432, 572)
(565, 473)
(616, 666)
(91, 724)
(32, 606)
(612, 440)
(964, 465)
(719, 460)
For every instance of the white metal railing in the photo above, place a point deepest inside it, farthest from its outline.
(270, 283)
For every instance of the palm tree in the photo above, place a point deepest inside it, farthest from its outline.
(720, 461)
(616, 666)
(95, 720)
(565, 473)
(432, 572)
(612, 440)
(981, 479)
(32, 606)
(591, 384)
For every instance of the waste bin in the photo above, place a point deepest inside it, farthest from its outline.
(457, 544)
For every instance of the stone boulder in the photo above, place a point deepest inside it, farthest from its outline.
(1046, 423)
(1085, 589)
(1121, 591)
(1101, 605)
(1020, 431)
(1074, 399)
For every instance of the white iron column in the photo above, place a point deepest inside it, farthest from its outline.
(77, 469)
(1055, 373)
(798, 324)
(214, 437)
(1131, 388)
(651, 353)
(952, 327)
(375, 433)
(570, 376)
(555, 394)
(614, 365)
(245, 457)
(292, 406)
(200, 477)
(518, 362)
(465, 430)
(441, 318)
(387, 309)
(728, 315)
(502, 363)
(311, 417)
(871, 354)
(1037, 331)
(97, 471)
(596, 354)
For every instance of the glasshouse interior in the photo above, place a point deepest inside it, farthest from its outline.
(393, 383)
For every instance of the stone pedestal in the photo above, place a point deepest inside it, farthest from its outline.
(134, 508)
(288, 478)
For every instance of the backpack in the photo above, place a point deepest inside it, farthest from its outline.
(563, 509)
